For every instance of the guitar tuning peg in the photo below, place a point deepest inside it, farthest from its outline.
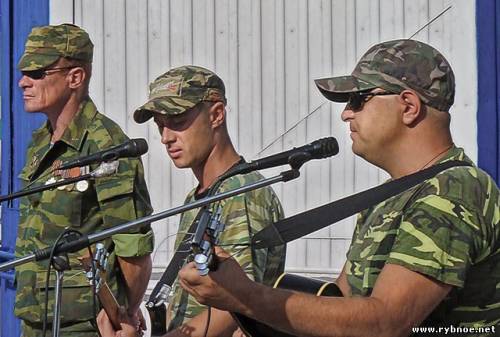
(201, 262)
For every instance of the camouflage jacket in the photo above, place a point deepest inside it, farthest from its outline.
(446, 228)
(244, 215)
(102, 203)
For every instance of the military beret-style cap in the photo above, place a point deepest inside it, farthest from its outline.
(179, 90)
(395, 66)
(46, 44)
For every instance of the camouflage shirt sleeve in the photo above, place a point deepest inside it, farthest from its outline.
(438, 237)
(244, 216)
(122, 198)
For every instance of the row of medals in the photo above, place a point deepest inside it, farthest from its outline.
(80, 186)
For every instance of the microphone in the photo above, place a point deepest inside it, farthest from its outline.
(321, 148)
(132, 148)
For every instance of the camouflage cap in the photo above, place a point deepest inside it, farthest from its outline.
(395, 66)
(180, 89)
(46, 44)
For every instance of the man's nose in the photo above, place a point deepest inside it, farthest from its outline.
(24, 81)
(347, 114)
(167, 135)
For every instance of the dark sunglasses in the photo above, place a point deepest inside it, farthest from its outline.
(358, 99)
(41, 73)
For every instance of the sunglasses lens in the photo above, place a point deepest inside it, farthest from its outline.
(34, 74)
(355, 102)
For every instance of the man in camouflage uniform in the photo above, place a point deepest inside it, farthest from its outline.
(56, 68)
(428, 257)
(188, 106)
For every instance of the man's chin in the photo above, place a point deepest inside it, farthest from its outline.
(179, 163)
(31, 109)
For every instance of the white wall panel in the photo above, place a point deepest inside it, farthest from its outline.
(268, 52)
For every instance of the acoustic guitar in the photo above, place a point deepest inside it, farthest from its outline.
(253, 328)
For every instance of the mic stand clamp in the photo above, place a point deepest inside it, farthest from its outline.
(296, 160)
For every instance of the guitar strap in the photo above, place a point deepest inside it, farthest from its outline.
(307, 222)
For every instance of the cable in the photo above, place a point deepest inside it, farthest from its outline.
(208, 321)
(47, 279)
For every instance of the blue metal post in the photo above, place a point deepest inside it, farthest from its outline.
(17, 18)
(488, 68)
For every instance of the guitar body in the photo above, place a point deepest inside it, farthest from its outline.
(253, 328)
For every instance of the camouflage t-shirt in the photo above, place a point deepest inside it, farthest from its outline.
(446, 228)
(87, 207)
(244, 215)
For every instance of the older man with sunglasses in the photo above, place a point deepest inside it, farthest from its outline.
(56, 69)
(428, 258)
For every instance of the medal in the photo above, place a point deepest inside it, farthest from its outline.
(50, 181)
(82, 185)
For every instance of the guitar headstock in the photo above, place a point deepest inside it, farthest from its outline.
(206, 237)
(98, 263)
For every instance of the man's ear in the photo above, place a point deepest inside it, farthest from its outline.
(217, 114)
(413, 111)
(76, 77)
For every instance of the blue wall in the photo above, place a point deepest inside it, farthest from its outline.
(488, 55)
(17, 17)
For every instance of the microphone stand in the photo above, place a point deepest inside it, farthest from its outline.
(74, 244)
(60, 260)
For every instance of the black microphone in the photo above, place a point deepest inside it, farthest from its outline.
(321, 148)
(132, 148)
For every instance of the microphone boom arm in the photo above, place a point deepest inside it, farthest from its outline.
(105, 169)
(86, 240)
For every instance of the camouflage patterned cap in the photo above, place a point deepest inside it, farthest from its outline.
(395, 66)
(180, 89)
(46, 44)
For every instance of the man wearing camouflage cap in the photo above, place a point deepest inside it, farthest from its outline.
(188, 106)
(56, 69)
(427, 257)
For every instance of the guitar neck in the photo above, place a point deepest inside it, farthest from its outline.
(110, 305)
(106, 297)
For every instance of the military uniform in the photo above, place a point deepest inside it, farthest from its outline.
(88, 206)
(106, 202)
(244, 215)
(446, 228)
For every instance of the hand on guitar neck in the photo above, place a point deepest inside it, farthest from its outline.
(228, 288)
(212, 287)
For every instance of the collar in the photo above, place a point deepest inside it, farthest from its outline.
(454, 153)
(203, 194)
(75, 133)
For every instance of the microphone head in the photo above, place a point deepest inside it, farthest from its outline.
(325, 147)
(138, 147)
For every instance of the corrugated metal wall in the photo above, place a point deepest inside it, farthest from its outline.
(268, 52)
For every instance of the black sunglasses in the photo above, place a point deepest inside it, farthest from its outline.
(41, 73)
(358, 99)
